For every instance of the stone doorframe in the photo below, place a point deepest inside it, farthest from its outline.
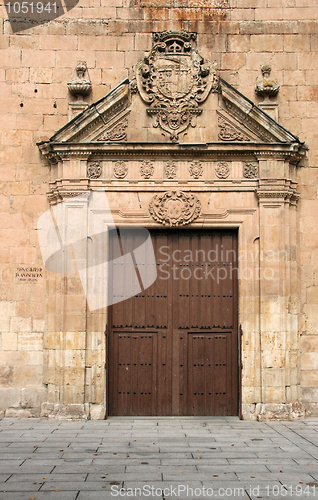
(249, 187)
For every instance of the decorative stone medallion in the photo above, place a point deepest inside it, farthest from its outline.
(250, 170)
(222, 170)
(175, 208)
(146, 169)
(170, 170)
(173, 80)
(120, 169)
(196, 169)
(94, 170)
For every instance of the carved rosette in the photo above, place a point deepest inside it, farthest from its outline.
(174, 80)
(146, 169)
(196, 169)
(222, 170)
(175, 208)
(250, 170)
(120, 169)
(115, 134)
(94, 170)
(170, 170)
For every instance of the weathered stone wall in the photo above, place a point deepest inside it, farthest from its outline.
(111, 37)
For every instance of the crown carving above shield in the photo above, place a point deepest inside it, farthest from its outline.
(174, 79)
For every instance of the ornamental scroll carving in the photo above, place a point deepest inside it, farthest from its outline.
(175, 208)
(228, 132)
(115, 134)
(174, 80)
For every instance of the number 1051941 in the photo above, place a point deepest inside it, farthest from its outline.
(31, 7)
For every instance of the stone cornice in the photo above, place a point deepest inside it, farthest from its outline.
(54, 152)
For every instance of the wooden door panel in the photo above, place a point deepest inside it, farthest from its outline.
(179, 336)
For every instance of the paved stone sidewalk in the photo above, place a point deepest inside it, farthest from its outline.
(156, 458)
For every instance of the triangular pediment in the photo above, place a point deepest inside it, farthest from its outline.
(250, 119)
(233, 118)
(104, 120)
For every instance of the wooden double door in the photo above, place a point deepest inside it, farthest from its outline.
(173, 347)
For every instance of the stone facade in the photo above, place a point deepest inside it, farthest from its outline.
(246, 170)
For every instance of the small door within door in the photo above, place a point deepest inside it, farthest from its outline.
(173, 348)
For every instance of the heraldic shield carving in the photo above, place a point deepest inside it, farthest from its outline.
(175, 208)
(174, 80)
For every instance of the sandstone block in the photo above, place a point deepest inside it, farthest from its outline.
(9, 341)
(32, 397)
(238, 43)
(20, 324)
(296, 43)
(97, 412)
(17, 413)
(9, 397)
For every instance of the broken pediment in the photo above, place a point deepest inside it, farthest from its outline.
(176, 96)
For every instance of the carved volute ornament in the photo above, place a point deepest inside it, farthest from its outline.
(175, 208)
(80, 86)
(174, 80)
(267, 87)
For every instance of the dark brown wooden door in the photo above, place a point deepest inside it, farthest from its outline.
(173, 347)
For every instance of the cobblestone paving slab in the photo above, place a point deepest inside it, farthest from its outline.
(94, 460)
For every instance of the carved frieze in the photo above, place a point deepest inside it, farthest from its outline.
(175, 208)
(222, 170)
(116, 133)
(146, 169)
(94, 170)
(250, 170)
(170, 170)
(229, 132)
(196, 169)
(120, 169)
(174, 80)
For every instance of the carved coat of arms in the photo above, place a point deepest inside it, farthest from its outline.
(175, 208)
(174, 80)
